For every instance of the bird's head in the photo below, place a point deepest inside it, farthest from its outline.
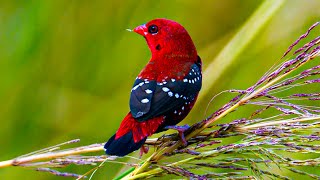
(167, 38)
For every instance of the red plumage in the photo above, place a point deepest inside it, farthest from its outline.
(164, 91)
(140, 130)
(176, 54)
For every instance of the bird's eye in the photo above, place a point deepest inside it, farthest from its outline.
(153, 29)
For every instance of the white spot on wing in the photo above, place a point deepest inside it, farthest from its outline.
(145, 100)
(135, 87)
(170, 94)
(165, 89)
(148, 91)
(173, 80)
(176, 95)
(185, 80)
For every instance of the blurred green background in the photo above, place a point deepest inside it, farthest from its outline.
(67, 67)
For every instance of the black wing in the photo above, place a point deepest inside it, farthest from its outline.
(151, 99)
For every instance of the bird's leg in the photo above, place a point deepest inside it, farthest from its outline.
(181, 130)
(143, 150)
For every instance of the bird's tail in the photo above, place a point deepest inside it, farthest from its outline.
(123, 145)
(131, 135)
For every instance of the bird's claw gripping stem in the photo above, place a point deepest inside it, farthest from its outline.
(181, 130)
(143, 150)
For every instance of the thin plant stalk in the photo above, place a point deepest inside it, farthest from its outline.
(52, 155)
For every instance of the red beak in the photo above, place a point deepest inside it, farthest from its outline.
(142, 30)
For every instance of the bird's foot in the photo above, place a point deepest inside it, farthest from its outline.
(181, 130)
(143, 150)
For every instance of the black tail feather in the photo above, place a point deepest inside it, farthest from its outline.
(123, 145)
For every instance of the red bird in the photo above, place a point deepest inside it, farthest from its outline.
(165, 90)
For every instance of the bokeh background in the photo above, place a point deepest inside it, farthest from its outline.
(67, 67)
